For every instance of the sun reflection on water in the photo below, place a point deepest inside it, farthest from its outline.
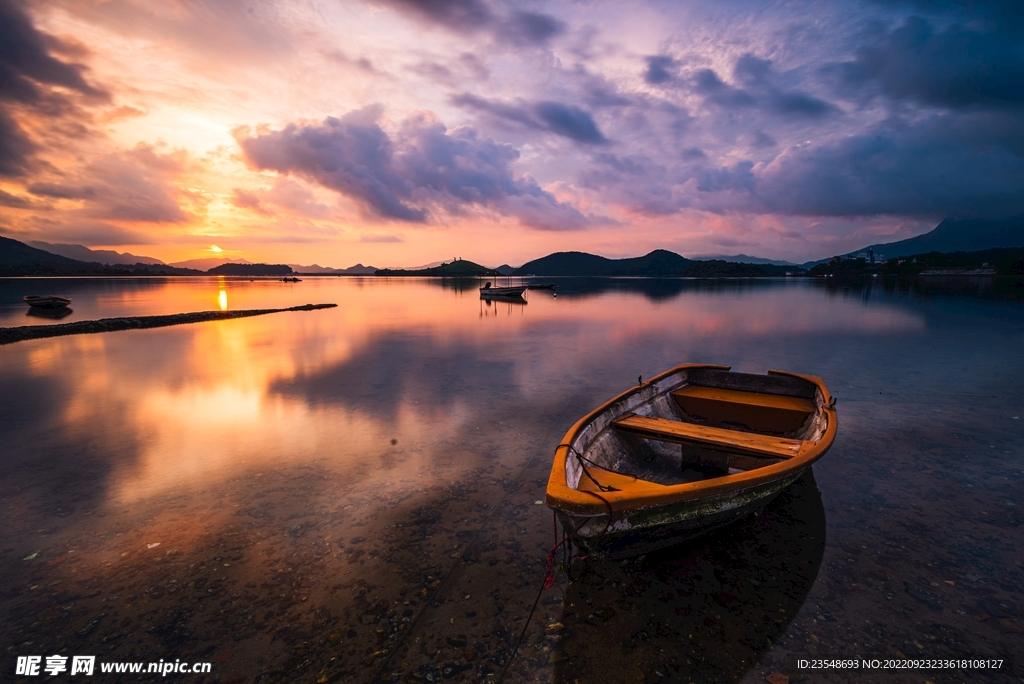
(209, 403)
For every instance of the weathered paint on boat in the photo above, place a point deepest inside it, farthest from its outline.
(642, 515)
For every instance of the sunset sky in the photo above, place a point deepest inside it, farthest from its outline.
(402, 132)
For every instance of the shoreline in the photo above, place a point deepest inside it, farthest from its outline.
(35, 332)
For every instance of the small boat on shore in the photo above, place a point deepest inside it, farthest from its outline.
(46, 301)
(488, 291)
(685, 453)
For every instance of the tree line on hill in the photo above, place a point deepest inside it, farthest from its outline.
(1003, 261)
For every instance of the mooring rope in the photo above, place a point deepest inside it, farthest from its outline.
(580, 458)
(549, 581)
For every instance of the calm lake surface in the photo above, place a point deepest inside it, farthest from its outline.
(351, 494)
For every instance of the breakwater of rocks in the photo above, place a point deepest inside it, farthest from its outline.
(34, 332)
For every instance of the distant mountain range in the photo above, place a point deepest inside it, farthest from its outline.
(100, 256)
(660, 262)
(745, 259)
(20, 259)
(107, 257)
(955, 235)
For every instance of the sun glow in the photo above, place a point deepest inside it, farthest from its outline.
(215, 249)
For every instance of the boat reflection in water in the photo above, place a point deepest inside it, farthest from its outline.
(492, 306)
(53, 314)
(710, 610)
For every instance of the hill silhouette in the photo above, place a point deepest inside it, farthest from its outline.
(460, 268)
(251, 270)
(956, 235)
(660, 262)
(19, 259)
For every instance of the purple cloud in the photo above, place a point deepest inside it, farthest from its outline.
(564, 120)
(424, 167)
(958, 67)
(29, 75)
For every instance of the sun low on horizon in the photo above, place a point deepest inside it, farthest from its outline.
(402, 132)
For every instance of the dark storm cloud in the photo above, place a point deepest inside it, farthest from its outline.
(959, 162)
(1004, 16)
(62, 191)
(15, 147)
(707, 83)
(957, 67)
(25, 60)
(565, 120)
(569, 121)
(531, 27)
(27, 75)
(658, 69)
(425, 165)
(517, 27)
(970, 164)
(758, 87)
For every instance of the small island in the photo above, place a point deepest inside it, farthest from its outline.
(457, 268)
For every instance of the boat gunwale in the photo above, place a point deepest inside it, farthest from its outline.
(44, 300)
(561, 497)
(512, 291)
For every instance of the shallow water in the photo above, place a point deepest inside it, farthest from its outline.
(350, 494)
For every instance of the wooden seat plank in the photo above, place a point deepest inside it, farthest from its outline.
(717, 438)
(776, 401)
(760, 412)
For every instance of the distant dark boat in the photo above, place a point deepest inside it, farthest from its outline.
(541, 286)
(47, 301)
(685, 453)
(291, 280)
(488, 291)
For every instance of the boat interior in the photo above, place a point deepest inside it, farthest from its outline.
(700, 424)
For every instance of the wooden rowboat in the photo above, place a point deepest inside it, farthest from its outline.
(46, 301)
(685, 453)
(488, 291)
